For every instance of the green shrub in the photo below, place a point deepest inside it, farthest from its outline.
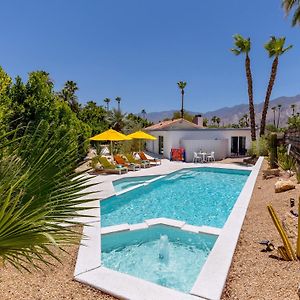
(285, 161)
(259, 147)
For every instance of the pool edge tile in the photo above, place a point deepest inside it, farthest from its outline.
(115, 228)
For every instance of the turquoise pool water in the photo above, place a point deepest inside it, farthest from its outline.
(202, 196)
(126, 183)
(175, 263)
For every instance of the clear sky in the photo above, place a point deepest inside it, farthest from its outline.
(139, 49)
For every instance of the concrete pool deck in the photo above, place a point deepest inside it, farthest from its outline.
(211, 280)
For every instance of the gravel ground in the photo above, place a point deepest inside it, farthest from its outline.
(55, 283)
(253, 274)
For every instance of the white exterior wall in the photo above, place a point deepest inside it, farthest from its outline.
(179, 138)
(220, 148)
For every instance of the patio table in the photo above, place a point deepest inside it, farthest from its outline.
(203, 154)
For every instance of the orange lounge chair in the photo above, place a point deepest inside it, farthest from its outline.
(143, 156)
(131, 166)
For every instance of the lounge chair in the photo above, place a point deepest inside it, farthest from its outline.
(143, 163)
(143, 156)
(110, 168)
(131, 166)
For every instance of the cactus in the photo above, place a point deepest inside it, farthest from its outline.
(273, 151)
(290, 255)
(298, 238)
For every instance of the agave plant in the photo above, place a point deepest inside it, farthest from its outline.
(39, 195)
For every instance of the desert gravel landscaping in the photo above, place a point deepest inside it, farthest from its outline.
(253, 274)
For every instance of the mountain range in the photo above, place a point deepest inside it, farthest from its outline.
(232, 115)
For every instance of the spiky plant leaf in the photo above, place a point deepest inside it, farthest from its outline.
(39, 193)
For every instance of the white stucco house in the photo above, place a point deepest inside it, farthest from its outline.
(193, 137)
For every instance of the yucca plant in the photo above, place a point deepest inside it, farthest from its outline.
(39, 195)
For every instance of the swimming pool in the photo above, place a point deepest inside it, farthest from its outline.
(127, 183)
(198, 196)
(160, 254)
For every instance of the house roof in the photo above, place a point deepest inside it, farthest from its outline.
(169, 124)
(182, 124)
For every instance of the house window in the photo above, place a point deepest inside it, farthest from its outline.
(238, 145)
(160, 144)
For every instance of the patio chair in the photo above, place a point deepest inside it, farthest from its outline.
(143, 163)
(131, 166)
(197, 157)
(108, 167)
(211, 156)
(143, 157)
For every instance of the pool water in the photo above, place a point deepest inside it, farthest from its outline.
(138, 253)
(198, 196)
(126, 183)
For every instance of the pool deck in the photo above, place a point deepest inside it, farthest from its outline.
(211, 280)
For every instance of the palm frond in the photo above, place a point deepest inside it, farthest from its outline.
(38, 193)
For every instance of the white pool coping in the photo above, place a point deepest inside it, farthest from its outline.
(212, 278)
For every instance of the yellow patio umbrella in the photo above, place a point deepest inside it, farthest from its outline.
(110, 135)
(141, 135)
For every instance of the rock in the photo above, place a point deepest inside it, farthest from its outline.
(284, 185)
(270, 173)
(259, 187)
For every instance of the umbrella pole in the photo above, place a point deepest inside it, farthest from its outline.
(111, 148)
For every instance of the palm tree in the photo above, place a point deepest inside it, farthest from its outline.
(218, 120)
(292, 5)
(293, 106)
(107, 100)
(117, 120)
(39, 193)
(118, 99)
(244, 122)
(143, 112)
(181, 85)
(279, 109)
(68, 94)
(275, 48)
(214, 120)
(274, 115)
(243, 46)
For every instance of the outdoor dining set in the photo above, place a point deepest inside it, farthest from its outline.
(203, 157)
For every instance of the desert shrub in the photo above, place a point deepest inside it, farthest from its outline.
(285, 161)
(259, 147)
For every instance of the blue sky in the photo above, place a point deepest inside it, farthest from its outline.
(139, 49)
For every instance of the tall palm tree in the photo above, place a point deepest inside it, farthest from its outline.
(243, 46)
(279, 109)
(182, 85)
(293, 106)
(118, 99)
(107, 100)
(275, 48)
(39, 193)
(143, 112)
(274, 115)
(292, 5)
(218, 120)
